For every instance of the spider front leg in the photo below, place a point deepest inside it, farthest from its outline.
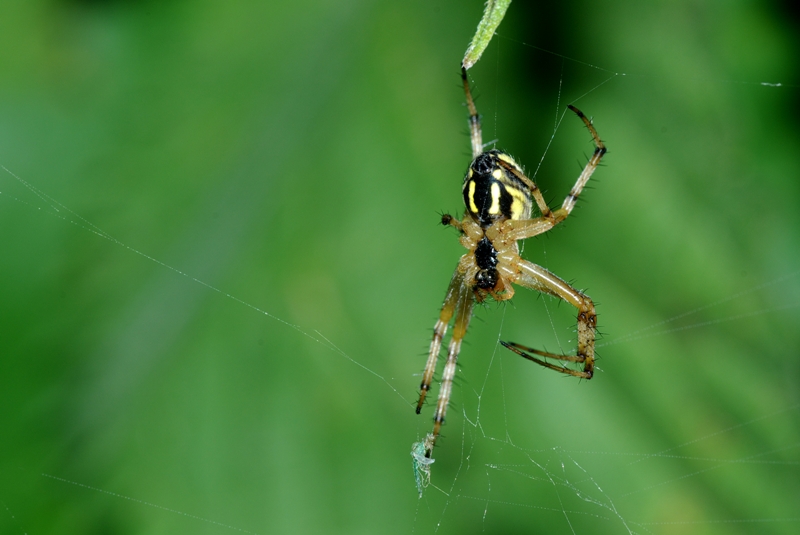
(539, 279)
(459, 301)
(439, 330)
(464, 304)
(445, 315)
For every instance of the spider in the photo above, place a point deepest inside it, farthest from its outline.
(499, 199)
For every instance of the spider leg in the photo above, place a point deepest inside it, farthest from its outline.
(448, 220)
(591, 165)
(539, 279)
(523, 351)
(475, 137)
(547, 214)
(464, 305)
(439, 330)
(519, 229)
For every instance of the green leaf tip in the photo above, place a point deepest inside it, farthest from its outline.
(492, 15)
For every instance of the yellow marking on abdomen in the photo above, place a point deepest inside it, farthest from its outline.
(495, 207)
(519, 202)
(472, 197)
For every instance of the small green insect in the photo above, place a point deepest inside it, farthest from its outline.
(422, 463)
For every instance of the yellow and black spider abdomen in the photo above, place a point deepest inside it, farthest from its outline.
(492, 191)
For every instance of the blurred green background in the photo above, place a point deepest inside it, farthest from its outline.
(295, 157)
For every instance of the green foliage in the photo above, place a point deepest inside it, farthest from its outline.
(493, 15)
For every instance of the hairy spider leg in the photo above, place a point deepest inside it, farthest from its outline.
(591, 165)
(464, 305)
(439, 331)
(519, 229)
(534, 189)
(475, 137)
(538, 278)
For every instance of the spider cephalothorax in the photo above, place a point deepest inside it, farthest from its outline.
(486, 259)
(499, 199)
